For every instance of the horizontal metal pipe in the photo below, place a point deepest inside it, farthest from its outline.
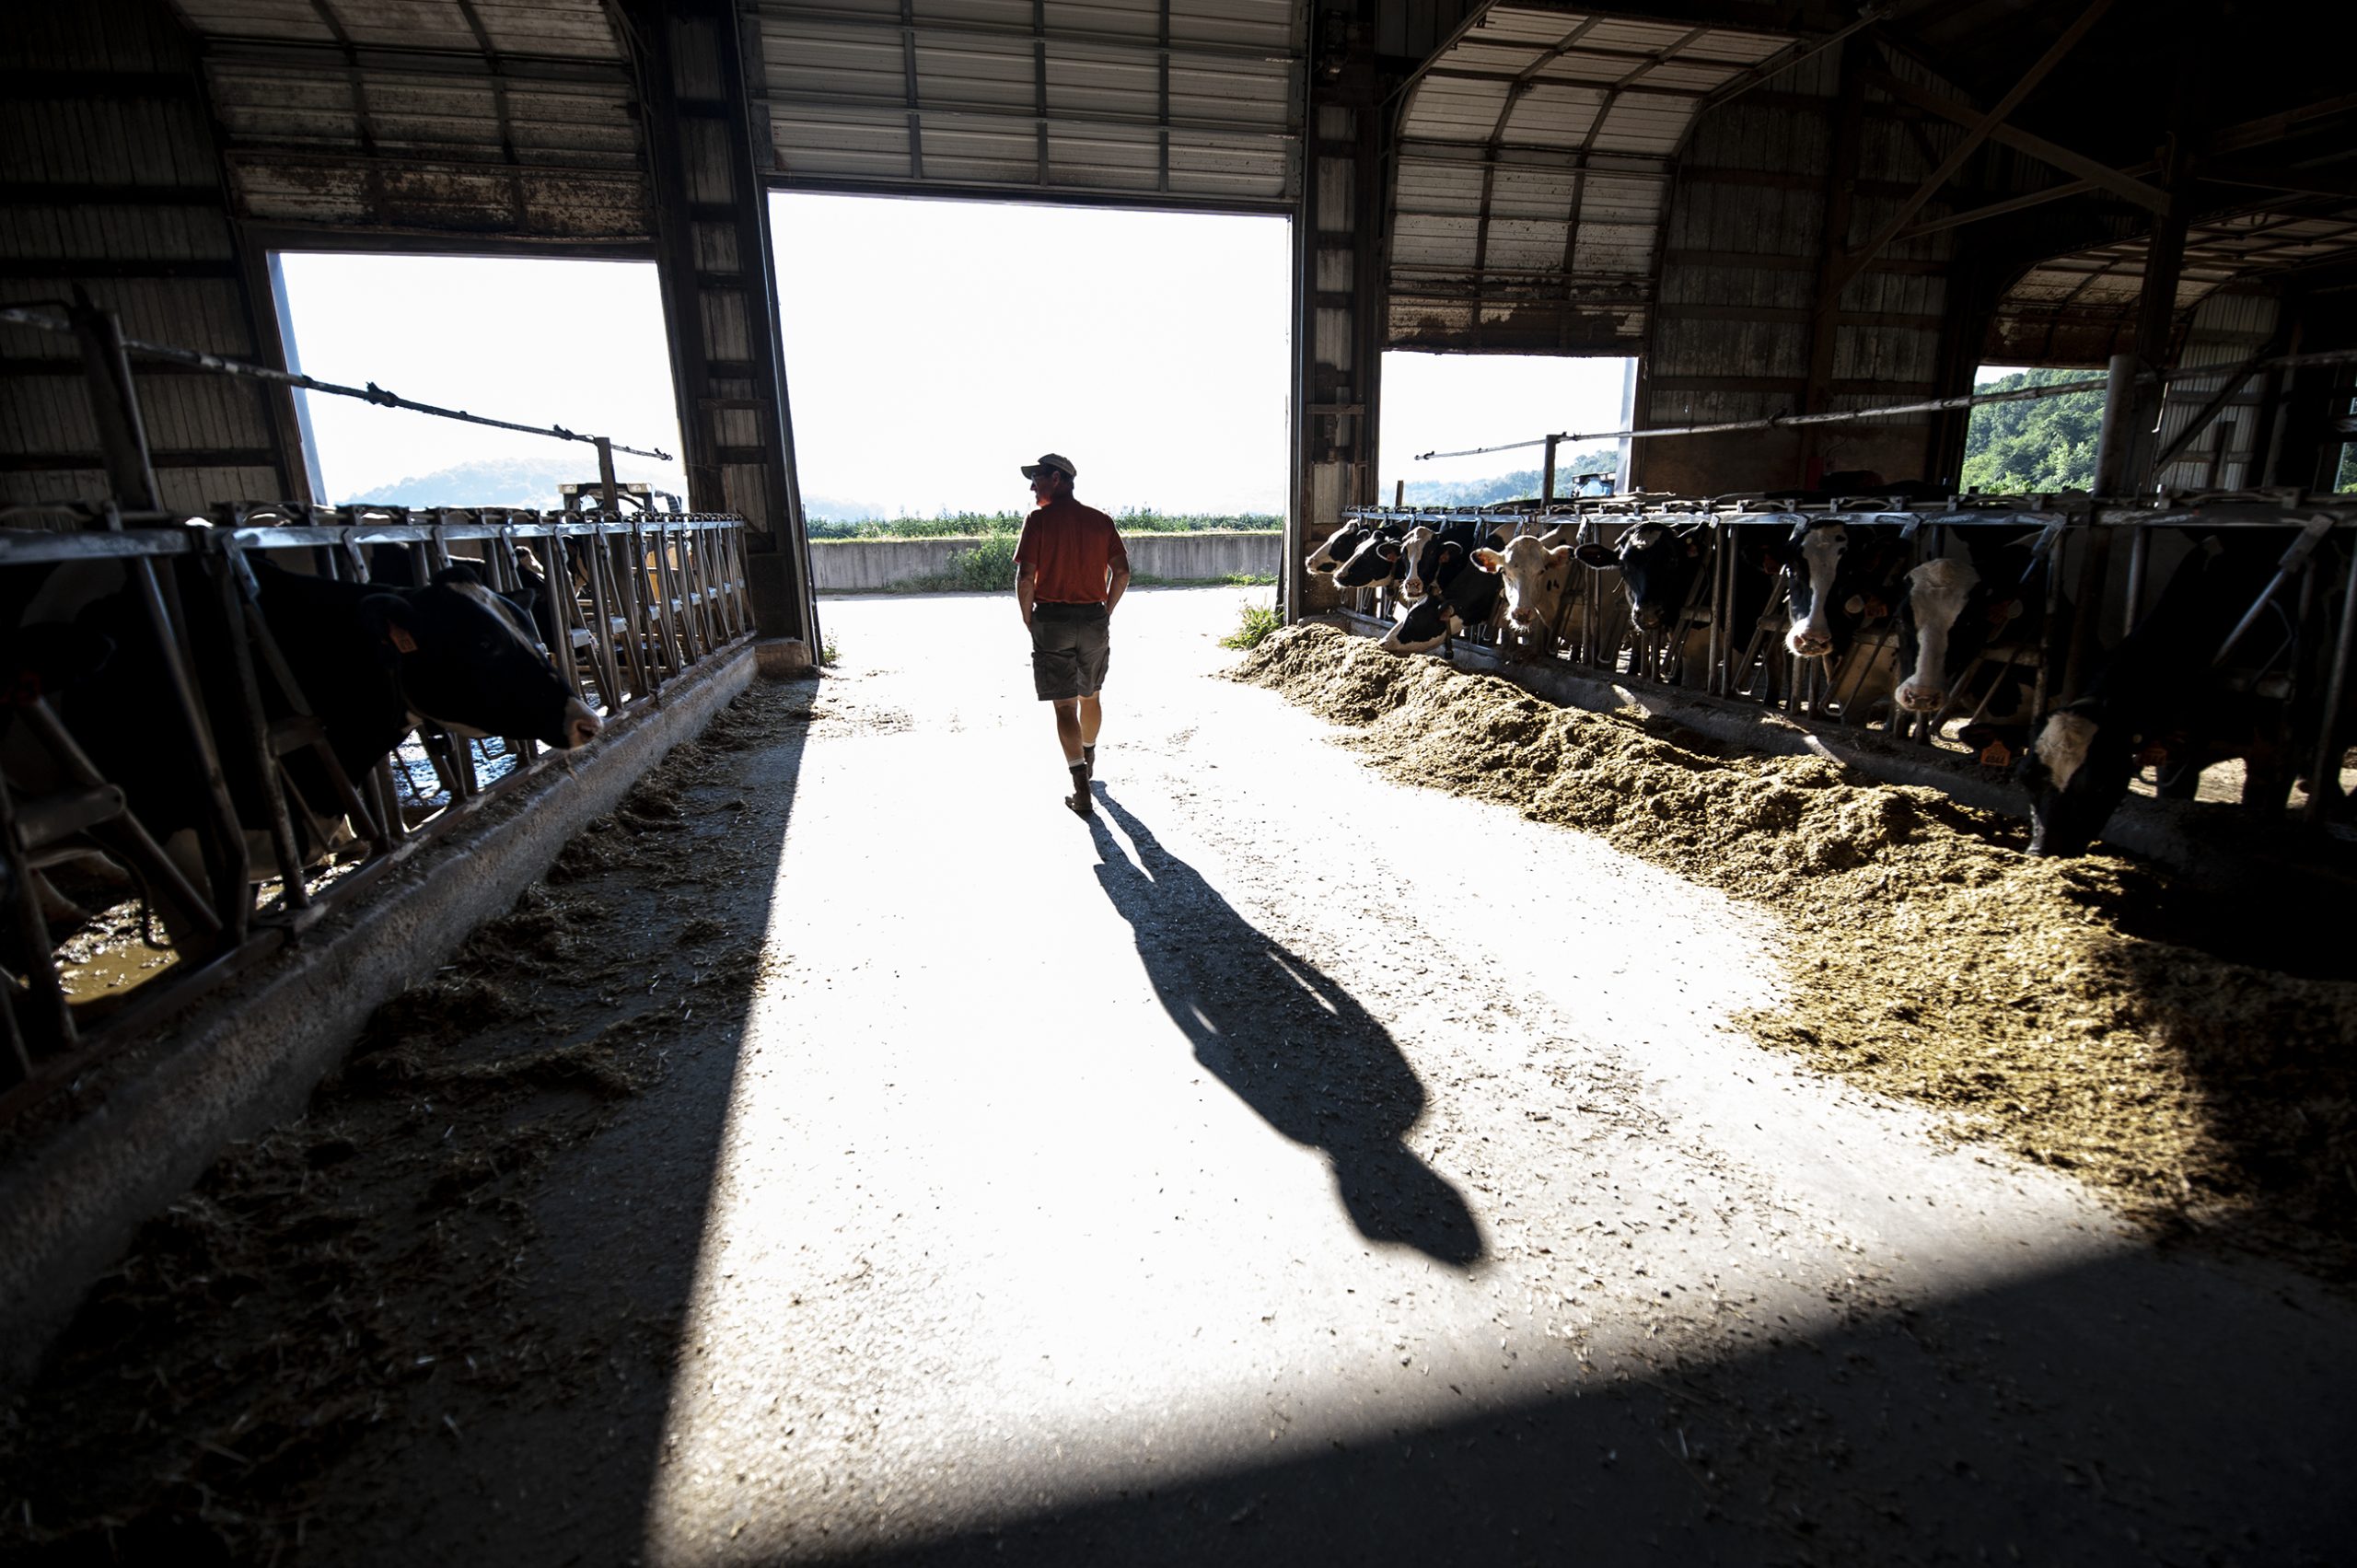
(371, 393)
(1929, 405)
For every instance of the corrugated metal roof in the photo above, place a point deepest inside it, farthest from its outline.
(509, 118)
(2079, 308)
(1533, 174)
(1197, 102)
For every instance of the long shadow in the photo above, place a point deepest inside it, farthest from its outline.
(1289, 1042)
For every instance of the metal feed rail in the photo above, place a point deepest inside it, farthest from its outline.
(642, 598)
(2300, 592)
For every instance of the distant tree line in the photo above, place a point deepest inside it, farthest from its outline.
(1521, 484)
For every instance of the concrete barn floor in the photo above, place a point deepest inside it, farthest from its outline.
(1296, 1166)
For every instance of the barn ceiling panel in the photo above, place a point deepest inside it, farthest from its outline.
(512, 119)
(2081, 308)
(1191, 102)
(1547, 138)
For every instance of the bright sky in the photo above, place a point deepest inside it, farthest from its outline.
(1449, 402)
(576, 343)
(936, 347)
(931, 348)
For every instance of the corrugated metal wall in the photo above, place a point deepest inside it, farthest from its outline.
(2227, 327)
(1159, 102)
(1770, 187)
(105, 140)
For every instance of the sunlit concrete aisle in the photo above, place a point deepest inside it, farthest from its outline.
(1298, 1167)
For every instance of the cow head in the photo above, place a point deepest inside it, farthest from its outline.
(1937, 592)
(1416, 561)
(468, 660)
(1821, 544)
(1374, 561)
(1657, 566)
(1466, 597)
(2077, 773)
(1339, 546)
(1532, 576)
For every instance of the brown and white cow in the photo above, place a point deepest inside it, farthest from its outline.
(1536, 573)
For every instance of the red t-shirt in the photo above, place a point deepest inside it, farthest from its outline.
(1074, 547)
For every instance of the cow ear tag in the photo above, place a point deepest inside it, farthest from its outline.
(1856, 603)
(1996, 754)
(402, 642)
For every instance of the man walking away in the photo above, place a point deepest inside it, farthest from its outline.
(1070, 571)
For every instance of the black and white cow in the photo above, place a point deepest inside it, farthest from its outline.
(1658, 564)
(1843, 574)
(1344, 542)
(1376, 562)
(372, 660)
(1957, 608)
(1460, 596)
(2158, 698)
(1421, 552)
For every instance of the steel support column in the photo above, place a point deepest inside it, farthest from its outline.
(1338, 286)
(707, 140)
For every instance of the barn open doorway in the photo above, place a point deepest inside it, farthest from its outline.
(935, 346)
(535, 340)
(1456, 402)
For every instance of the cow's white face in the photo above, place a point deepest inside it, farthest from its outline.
(1811, 632)
(1412, 552)
(1533, 577)
(2062, 746)
(1935, 594)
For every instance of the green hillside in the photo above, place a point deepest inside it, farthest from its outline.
(2038, 444)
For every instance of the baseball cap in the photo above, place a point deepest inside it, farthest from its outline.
(1062, 465)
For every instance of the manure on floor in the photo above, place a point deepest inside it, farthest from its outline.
(1932, 960)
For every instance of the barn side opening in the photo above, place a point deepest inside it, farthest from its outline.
(958, 340)
(1461, 402)
(576, 342)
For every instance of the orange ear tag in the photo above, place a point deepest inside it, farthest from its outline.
(1996, 754)
(2151, 756)
(402, 641)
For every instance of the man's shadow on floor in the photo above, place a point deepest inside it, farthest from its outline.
(1290, 1043)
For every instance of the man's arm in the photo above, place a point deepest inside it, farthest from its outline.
(1026, 582)
(1115, 585)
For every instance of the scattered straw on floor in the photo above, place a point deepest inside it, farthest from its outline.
(1929, 958)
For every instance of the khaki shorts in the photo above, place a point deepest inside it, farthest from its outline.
(1069, 650)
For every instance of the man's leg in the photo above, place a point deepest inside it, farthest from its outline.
(1091, 717)
(1068, 722)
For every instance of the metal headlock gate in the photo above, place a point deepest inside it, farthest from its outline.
(642, 597)
(2089, 593)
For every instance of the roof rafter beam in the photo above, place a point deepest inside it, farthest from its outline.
(2299, 181)
(1963, 112)
(1853, 263)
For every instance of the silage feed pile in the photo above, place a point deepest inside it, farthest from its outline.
(1929, 958)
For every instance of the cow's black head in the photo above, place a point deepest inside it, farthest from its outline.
(2076, 772)
(468, 660)
(1376, 560)
(1657, 566)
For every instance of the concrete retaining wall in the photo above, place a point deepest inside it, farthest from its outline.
(859, 565)
(72, 1194)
